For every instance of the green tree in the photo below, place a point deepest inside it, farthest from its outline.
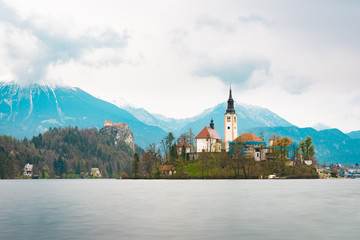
(283, 153)
(135, 164)
(295, 158)
(60, 166)
(167, 145)
(307, 148)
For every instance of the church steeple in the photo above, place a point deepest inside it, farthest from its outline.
(230, 122)
(230, 107)
(212, 124)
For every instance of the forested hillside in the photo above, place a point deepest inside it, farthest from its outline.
(66, 152)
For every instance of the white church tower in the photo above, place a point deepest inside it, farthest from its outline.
(230, 123)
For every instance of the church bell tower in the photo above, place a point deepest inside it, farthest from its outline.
(230, 122)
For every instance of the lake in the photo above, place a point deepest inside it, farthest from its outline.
(179, 209)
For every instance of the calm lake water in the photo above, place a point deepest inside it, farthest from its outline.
(184, 209)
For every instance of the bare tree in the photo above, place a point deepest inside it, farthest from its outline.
(150, 159)
(238, 160)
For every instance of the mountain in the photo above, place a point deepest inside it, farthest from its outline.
(354, 134)
(249, 116)
(331, 145)
(28, 111)
(167, 124)
(25, 112)
(321, 126)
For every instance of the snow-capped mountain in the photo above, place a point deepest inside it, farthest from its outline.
(249, 116)
(321, 126)
(28, 111)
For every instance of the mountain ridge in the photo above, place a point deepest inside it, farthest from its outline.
(248, 116)
(26, 112)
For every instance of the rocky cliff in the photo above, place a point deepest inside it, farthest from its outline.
(121, 133)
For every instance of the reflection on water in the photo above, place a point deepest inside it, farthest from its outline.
(184, 209)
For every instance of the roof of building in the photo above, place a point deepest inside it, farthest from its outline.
(248, 137)
(277, 142)
(180, 144)
(29, 166)
(108, 122)
(165, 167)
(208, 132)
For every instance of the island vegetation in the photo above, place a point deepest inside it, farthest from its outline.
(71, 153)
(222, 165)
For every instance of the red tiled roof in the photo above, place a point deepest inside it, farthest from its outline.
(165, 167)
(108, 122)
(277, 142)
(180, 144)
(208, 132)
(248, 137)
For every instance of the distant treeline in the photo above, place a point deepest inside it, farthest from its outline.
(66, 152)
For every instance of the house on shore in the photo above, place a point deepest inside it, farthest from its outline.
(28, 170)
(167, 170)
(95, 172)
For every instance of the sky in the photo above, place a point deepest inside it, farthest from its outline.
(300, 59)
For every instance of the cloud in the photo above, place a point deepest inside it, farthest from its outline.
(29, 48)
(253, 18)
(296, 84)
(207, 21)
(239, 72)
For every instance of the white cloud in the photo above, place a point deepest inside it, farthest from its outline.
(297, 58)
(29, 47)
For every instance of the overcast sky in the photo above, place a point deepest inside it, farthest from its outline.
(300, 59)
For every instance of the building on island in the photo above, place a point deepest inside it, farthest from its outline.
(253, 146)
(180, 146)
(167, 170)
(28, 170)
(208, 140)
(230, 123)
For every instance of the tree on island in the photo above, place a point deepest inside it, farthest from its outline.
(238, 161)
(150, 160)
(187, 139)
(307, 149)
(168, 146)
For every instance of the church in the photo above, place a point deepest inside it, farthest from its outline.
(208, 140)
